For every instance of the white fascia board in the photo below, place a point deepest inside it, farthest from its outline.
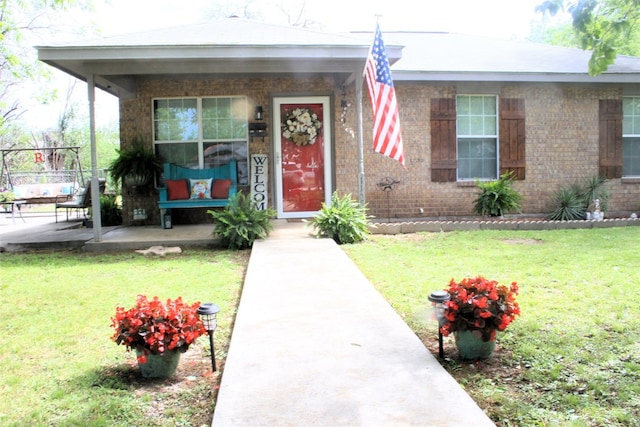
(443, 76)
(198, 52)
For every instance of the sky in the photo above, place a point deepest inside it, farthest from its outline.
(497, 18)
(492, 18)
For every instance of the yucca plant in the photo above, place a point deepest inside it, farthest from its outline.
(345, 220)
(241, 222)
(570, 204)
(497, 197)
(592, 189)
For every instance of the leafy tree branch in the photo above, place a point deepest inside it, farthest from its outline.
(605, 27)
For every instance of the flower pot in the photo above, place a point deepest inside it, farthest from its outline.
(159, 365)
(136, 180)
(471, 346)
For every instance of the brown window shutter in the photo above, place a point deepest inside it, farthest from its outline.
(512, 137)
(443, 140)
(610, 138)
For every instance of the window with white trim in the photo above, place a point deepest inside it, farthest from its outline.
(631, 136)
(202, 132)
(477, 137)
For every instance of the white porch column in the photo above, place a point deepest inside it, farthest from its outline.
(95, 185)
(361, 192)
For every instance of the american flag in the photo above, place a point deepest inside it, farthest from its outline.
(387, 138)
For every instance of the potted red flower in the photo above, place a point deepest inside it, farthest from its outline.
(158, 331)
(477, 309)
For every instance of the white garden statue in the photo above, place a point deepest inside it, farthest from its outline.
(594, 211)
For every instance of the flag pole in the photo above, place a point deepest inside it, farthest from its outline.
(359, 82)
(361, 192)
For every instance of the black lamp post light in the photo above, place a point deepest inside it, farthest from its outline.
(438, 298)
(208, 314)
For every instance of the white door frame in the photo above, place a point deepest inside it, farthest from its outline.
(327, 132)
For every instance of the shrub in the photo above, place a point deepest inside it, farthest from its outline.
(110, 210)
(569, 204)
(592, 189)
(573, 201)
(345, 220)
(497, 197)
(7, 195)
(241, 222)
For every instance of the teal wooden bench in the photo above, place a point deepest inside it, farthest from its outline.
(174, 196)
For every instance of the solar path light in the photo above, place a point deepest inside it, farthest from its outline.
(208, 314)
(438, 298)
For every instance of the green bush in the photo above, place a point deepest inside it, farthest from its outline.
(240, 223)
(569, 204)
(345, 220)
(592, 189)
(7, 195)
(497, 197)
(110, 210)
(572, 202)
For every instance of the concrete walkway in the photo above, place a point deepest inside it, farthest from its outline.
(314, 344)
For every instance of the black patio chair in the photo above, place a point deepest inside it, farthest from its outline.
(82, 201)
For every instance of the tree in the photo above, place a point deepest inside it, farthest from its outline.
(605, 27)
(17, 60)
(290, 12)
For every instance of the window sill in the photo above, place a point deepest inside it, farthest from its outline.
(466, 183)
(631, 180)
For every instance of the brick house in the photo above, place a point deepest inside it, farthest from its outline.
(470, 107)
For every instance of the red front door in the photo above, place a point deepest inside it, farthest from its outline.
(303, 150)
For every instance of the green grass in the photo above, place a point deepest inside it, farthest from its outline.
(572, 358)
(59, 366)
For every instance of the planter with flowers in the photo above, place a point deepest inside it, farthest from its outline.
(158, 331)
(478, 308)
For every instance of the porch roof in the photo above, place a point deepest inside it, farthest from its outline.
(221, 47)
(236, 46)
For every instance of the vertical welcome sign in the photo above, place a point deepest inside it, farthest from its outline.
(259, 174)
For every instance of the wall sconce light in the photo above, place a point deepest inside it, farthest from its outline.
(259, 113)
(258, 129)
(208, 314)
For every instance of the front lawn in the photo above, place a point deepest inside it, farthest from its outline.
(572, 358)
(59, 366)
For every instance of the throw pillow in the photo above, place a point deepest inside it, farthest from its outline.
(220, 189)
(201, 188)
(177, 189)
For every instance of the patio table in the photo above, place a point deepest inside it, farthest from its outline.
(12, 206)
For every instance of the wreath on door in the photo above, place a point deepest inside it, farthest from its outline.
(301, 126)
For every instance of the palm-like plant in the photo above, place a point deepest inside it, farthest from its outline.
(497, 197)
(570, 205)
(344, 220)
(241, 222)
(573, 201)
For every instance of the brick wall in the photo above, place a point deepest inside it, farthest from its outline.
(561, 143)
